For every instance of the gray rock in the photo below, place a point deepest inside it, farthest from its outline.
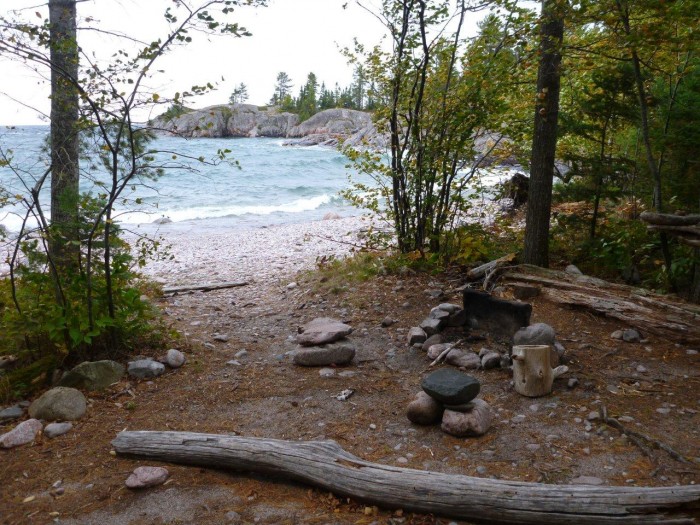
(53, 430)
(441, 315)
(663, 411)
(572, 269)
(435, 350)
(691, 351)
(174, 358)
(506, 361)
(241, 353)
(474, 422)
(483, 351)
(220, 338)
(631, 336)
(491, 360)
(144, 477)
(416, 335)
(587, 480)
(617, 334)
(434, 339)
(233, 517)
(145, 369)
(424, 410)
(536, 334)
(59, 404)
(463, 359)
(387, 322)
(450, 387)
(163, 220)
(332, 354)
(449, 307)
(22, 434)
(533, 447)
(572, 383)
(322, 330)
(10, 413)
(642, 369)
(93, 375)
(431, 326)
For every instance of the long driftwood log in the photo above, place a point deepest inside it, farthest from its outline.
(650, 313)
(207, 287)
(326, 465)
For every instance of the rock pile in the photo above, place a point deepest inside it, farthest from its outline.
(450, 396)
(323, 343)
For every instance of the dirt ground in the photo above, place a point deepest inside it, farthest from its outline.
(266, 395)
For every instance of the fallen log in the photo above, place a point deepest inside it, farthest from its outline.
(666, 219)
(649, 312)
(326, 465)
(208, 287)
(484, 269)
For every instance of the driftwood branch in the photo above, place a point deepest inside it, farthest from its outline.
(326, 465)
(651, 313)
(203, 287)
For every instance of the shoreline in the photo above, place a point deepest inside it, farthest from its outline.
(260, 254)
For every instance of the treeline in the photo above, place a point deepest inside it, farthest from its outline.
(313, 97)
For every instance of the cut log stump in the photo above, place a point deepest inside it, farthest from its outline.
(326, 465)
(532, 370)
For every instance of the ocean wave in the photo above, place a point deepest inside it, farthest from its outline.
(210, 212)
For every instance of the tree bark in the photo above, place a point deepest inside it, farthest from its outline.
(64, 134)
(544, 141)
(326, 465)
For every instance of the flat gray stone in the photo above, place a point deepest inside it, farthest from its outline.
(22, 434)
(174, 358)
(431, 326)
(573, 270)
(450, 387)
(441, 315)
(145, 369)
(144, 477)
(424, 410)
(10, 413)
(93, 375)
(449, 307)
(535, 334)
(416, 335)
(53, 430)
(472, 422)
(332, 354)
(59, 404)
(322, 330)
(462, 359)
(631, 336)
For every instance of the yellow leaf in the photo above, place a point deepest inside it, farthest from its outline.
(28, 499)
(156, 97)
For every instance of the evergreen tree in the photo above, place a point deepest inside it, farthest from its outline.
(283, 90)
(307, 104)
(239, 95)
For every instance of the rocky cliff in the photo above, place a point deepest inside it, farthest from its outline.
(327, 127)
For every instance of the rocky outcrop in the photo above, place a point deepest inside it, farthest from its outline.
(329, 127)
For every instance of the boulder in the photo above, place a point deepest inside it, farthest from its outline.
(424, 410)
(472, 421)
(22, 434)
(93, 375)
(536, 334)
(59, 404)
(144, 477)
(434, 351)
(145, 369)
(10, 413)
(416, 335)
(332, 354)
(321, 331)
(463, 359)
(450, 387)
(502, 318)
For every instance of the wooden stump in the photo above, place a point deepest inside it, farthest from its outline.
(532, 370)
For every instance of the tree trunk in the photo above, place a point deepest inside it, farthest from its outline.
(64, 134)
(544, 141)
(326, 465)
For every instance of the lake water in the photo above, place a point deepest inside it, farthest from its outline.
(275, 184)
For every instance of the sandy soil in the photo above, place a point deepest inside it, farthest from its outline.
(547, 439)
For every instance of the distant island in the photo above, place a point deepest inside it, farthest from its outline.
(328, 127)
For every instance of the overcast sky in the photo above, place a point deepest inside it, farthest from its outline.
(295, 36)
